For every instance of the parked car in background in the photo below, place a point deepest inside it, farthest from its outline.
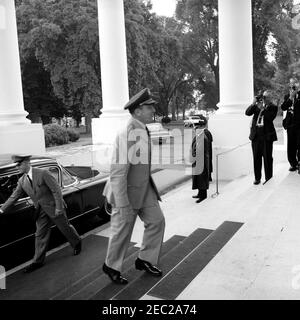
(81, 188)
(190, 121)
(195, 119)
(158, 133)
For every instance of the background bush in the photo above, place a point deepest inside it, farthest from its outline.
(165, 120)
(55, 135)
(73, 134)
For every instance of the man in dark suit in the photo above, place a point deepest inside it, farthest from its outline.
(48, 201)
(262, 134)
(291, 123)
(132, 192)
(201, 151)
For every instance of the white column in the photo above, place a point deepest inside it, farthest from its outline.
(230, 126)
(114, 80)
(114, 77)
(17, 134)
(235, 54)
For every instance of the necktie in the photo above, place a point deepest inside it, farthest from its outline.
(260, 119)
(30, 181)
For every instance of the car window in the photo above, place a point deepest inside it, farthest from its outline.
(67, 179)
(7, 185)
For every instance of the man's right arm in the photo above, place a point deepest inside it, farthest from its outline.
(252, 108)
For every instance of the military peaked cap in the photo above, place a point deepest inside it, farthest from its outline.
(141, 98)
(20, 157)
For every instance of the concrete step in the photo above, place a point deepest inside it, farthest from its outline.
(178, 279)
(88, 277)
(258, 262)
(89, 290)
(60, 271)
(138, 287)
(238, 202)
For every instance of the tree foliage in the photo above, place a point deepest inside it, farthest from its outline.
(63, 36)
(177, 58)
(198, 21)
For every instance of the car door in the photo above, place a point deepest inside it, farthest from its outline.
(17, 224)
(91, 191)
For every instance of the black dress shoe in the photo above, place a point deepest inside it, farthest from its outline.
(33, 267)
(293, 168)
(148, 267)
(77, 248)
(115, 276)
(256, 182)
(199, 200)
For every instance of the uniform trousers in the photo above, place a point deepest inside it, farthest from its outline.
(121, 230)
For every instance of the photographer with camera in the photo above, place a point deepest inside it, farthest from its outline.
(262, 134)
(291, 124)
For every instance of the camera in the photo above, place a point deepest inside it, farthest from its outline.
(259, 98)
(293, 87)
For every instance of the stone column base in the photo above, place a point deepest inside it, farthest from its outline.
(231, 130)
(22, 138)
(105, 128)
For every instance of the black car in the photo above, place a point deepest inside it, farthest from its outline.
(81, 188)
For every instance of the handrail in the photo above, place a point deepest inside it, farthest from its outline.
(225, 152)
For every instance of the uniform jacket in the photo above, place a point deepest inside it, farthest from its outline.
(44, 192)
(269, 115)
(130, 171)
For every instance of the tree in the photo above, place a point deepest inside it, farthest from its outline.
(153, 53)
(270, 19)
(63, 36)
(199, 27)
(39, 99)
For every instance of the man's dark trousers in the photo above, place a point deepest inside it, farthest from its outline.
(262, 148)
(293, 148)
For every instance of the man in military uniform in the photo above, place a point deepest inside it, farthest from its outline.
(132, 192)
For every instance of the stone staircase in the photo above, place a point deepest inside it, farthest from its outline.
(218, 249)
(182, 258)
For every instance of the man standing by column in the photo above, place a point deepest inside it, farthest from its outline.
(132, 192)
(46, 195)
(262, 134)
(291, 123)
